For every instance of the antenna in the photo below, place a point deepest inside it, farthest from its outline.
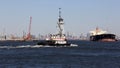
(59, 12)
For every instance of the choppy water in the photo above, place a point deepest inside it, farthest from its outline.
(86, 55)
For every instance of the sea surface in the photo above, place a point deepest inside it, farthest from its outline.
(88, 54)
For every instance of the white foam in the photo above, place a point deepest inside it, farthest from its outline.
(34, 46)
(73, 45)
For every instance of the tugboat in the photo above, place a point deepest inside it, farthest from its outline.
(58, 39)
(100, 35)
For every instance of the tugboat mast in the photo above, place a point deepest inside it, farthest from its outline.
(59, 12)
(60, 24)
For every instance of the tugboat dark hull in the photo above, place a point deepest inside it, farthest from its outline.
(52, 43)
(103, 37)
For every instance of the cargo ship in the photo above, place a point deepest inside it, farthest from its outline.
(100, 35)
(58, 39)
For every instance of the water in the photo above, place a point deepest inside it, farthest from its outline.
(86, 55)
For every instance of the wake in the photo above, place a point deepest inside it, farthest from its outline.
(33, 46)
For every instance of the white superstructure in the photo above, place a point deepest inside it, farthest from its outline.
(60, 24)
(97, 32)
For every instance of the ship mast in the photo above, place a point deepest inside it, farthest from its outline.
(60, 24)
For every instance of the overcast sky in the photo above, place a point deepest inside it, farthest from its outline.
(80, 16)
